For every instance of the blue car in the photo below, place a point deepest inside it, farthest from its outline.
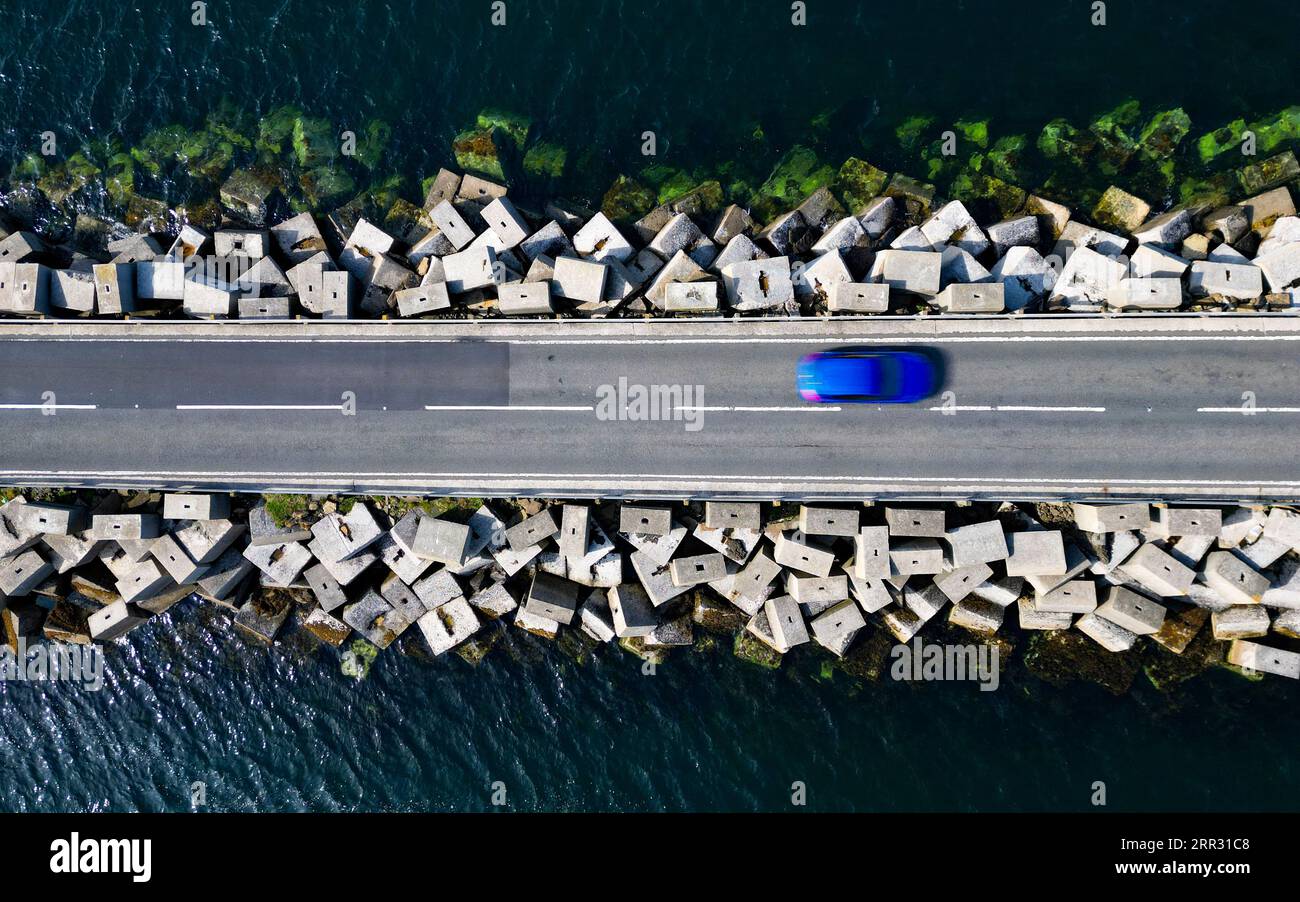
(868, 376)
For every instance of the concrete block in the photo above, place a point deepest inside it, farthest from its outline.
(1159, 572)
(525, 299)
(207, 297)
(1231, 280)
(785, 620)
(24, 288)
(1248, 621)
(916, 556)
(957, 583)
(632, 611)
(601, 240)
(470, 269)
(733, 515)
(173, 557)
(956, 265)
(1025, 276)
(981, 298)
(1167, 229)
(1076, 236)
(376, 619)
(144, 580)
(755, 578)
(912, 272)
(817, 593)
(22, 573)
(345, 536)
(579, 280)
(1112, 517)
(871, 553)
(978, 543)
(701, 568)
(125, 526)
(553, 598)
(681, 235)
(1281, 267)
(816, 279)
(1258, 658)
(225, 576)
(1033, 619)
(1003, 592)
(1235, 580)
(328, 593)
(1086, 280)
(1078, 596)
(1146, 294)
(494, 602)
(437, 589)
(645, 519)
(925, 601)
(298, 238)
(448, 626)
(1183, 521)
(51, 519)
(532, 530)
(827, 521)
(114, 621)
(264, 308)
(740, 249)
(916, 522)
(19, 246)
(575, 531)
(953, 225)
(252, 243)
(842, 236)
(281, 563)
(452, 225)
(837, 622)
(802, 556)
(762, 284)
(1135, 613)
(1020, 232)
(505, 222)
(691, 297)
(1106, 633)
(441, 541)
(1039, 552)
(195, 507)
(423, 299)
(859, 297)
(72, 291)
(1283, 526)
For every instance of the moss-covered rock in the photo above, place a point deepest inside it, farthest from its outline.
(913, 130)
(325, 187)
(973, 131)
(749, 648)
(1161, 135)
(1062, 142)
(798, 174)
(1215, 144)
(71, 177)
(627, 200)
(1113, 130)
(636, 645)
(546, 160)
(314, 142)
(1255, 178)
(372, 143)
(1063, 656)
(1005, 159)
(1272, 132)
(1002, 199)
(857, 183)
(868, 657)
(275, 132)
(513, 125)
(916, 197)
(480, 150)
(1120, 211)
(716, 615)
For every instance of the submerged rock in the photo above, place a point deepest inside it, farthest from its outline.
(750, 648)
(1063, 656)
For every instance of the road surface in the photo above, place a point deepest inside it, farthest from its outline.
(1064, 409)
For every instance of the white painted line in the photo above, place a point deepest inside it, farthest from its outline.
(822, 340)
(1015, 408)
(807, 409)
(553, 476)
(575, 409)
(1248, 410)
(48, 407)
(259, 406)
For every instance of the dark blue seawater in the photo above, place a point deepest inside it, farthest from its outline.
(188, 700)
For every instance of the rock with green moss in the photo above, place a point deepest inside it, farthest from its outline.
(1004, 159)
(636, 645)
(314, 142)
(715, 615)
(750, 648)
(514, 125)
(546, 160)
(372, 143)
(1161, 135)
(974, 131)
(326, 186)
(1063, 656)
(1114, 132)
(76, 174)
(146, 214)
(857, 183)
(407, 222)
(915, 197)
(481, 151)
(627, 200)
(245, 194)
(797, 175)
(1120, 211)
(1003, 199)
(358, 659)
(1215, 144)
(1271, 132)
(1062, 142)
(275, 132)
(473, 650)
(1256, 178)
(912, 131)
(868, 657)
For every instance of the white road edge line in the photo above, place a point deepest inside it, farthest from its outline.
(48, 407)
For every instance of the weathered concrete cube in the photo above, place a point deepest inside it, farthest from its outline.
(73, 291)
(195, 507)
(470, 269)
(1109, 635)
(51, 519)
(700, 568)
(374, 618)
(525, 299)
(22, 573)
(1078, 596)
(1032, 619)
(978, 543)
(553, 598)
(817, 593)
(733, 515)
(1146, 294)
(1247, 621)
(114, 621)
(1235, 580)
(1086, 279)
(916, 556)
(125, 526)
(448, 626)
(1039, 552)
(1112, 517)
(281, 563)
(964, 298)
(759, 284)
(505, 222)
(632, 611)
(532, 530)
(916, 522)
(836, 622)
(144, 580)
(24, 288)
(1135, 613)
(176, 561)
(786, 622)
(645, 519)
(803, 556)
(1258, 658)
(1159, 572)
(579, 280)
(959, 582)
(913, 272)
(859, 297)
(817, 279)
(827, 521)
(871, 552)
(1025, 276)
(601, 240)
(441, 541)
(1230, 280)
(423, 299)
(115, 288)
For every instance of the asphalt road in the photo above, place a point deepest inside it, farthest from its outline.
(1055, 414)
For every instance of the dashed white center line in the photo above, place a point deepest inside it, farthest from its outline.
(1018, 408)
(48, 407)
(506, 407)
(1248, 410)
(259, 406)
(759, 409)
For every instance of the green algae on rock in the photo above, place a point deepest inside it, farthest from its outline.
(857, 183)
(627, 200)
(479, 150)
